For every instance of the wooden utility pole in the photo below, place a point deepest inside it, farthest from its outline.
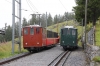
(85, 22)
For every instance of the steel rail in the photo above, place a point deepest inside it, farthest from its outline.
(59, 58)
(56, 58)
(66, 58)
(4, 61)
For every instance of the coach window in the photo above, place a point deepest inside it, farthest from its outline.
(37, 30)
(31, 31)
(73, 32)
(25, 31)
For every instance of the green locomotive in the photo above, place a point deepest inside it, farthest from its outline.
(68, 37)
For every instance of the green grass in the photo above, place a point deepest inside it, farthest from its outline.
(98, 34)
(96, 59)
(6, 50)
(60, 25)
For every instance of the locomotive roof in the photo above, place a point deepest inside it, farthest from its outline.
(33, 26)
(68, 27)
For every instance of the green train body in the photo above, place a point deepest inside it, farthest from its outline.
(68, 37)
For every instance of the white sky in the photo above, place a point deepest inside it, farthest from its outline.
(42, 6)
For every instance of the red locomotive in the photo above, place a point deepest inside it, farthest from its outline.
(36, 37)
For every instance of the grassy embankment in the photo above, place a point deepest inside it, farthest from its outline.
(98, 34)
(6, 50)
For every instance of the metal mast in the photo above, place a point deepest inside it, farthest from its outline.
(13, 23)
(20, 25)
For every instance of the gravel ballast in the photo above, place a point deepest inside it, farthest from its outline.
(43, 58)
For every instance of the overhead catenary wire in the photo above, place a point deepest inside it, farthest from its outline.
(31, 6)
(62, 5)
(16, 5)
(8, 1)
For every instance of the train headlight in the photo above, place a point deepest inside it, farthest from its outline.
(26, 43)
(62, 41)
(37, 42)
(73, 41)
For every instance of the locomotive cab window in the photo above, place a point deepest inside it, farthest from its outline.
(25, 31)
(37, 30)
(63, 31)
(68, 31)
(31, 31)
(73, 32)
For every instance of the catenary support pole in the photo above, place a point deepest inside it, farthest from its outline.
(19, 25)
(13, 24)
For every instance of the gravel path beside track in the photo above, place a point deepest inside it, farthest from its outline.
(77, 58)
(43, 58)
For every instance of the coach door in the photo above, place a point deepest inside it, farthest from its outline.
(32, 36)
(39, 36)
(35, 36)
(74, 36)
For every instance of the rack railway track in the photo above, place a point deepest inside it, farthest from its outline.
(61, 59)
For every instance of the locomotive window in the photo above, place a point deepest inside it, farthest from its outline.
(37, 30)
(63, 31)
(31, 31)
(25, 31)
(68, 31)
(73, 32)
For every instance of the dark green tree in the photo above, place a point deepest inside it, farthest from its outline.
(16, 29)
(93, 10)
(43, 20)
(8, 33)
(24, 21)
(33, 21)
(49, 20)
(66, 16)
(55, 19)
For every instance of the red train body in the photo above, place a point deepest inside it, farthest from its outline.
(36, 37)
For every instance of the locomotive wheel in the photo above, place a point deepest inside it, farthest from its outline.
(30, 51)
(37, 49)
